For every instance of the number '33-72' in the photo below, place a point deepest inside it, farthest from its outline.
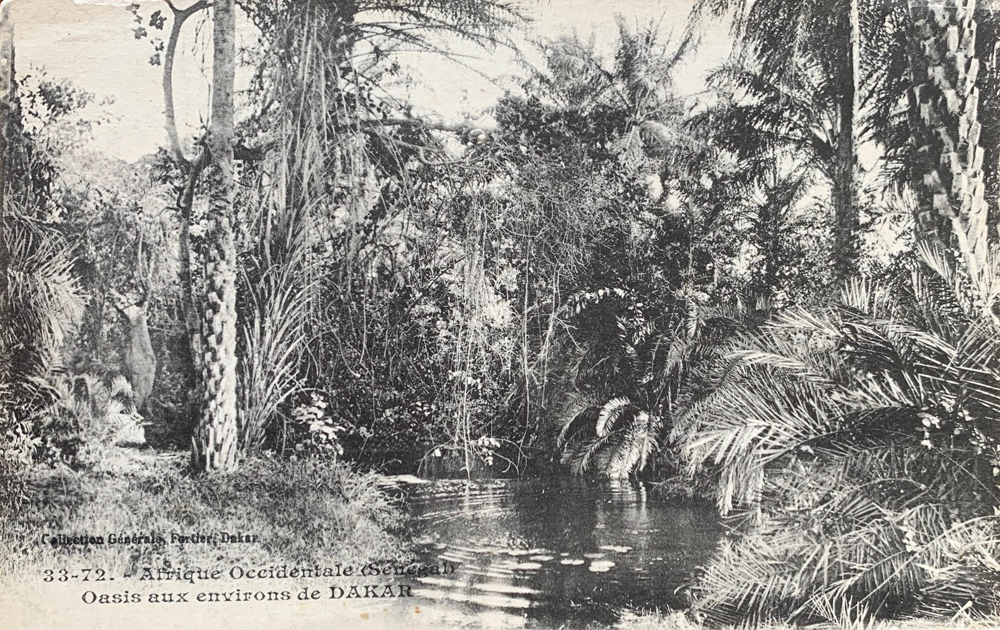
(82, 575)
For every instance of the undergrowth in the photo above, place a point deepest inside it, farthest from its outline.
(302, 512)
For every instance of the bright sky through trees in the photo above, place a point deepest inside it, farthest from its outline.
(93, 45)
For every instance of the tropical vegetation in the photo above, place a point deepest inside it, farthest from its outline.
(782, 294)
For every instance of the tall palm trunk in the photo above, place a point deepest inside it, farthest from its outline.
(215, 439)
(844, 193)
(944, 117)
(8, 112)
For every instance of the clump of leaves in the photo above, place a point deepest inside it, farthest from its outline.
(618, 443)
(858, 443)
(313, 431)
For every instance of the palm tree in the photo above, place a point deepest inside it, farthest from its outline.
(859, 442)
(620, 442)
(40, 297)
(8, 106)
(215, 442)
(785, 138)
(946, 127)
(322, 130)
(782, 35)
(619, 119)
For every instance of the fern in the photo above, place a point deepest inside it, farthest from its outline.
(619, 436)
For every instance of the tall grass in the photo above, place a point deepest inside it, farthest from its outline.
(273, 335)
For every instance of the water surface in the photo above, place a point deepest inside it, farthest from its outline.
(551, 553)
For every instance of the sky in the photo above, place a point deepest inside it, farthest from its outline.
(91, 42)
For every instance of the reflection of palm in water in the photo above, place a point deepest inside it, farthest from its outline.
(558, 550)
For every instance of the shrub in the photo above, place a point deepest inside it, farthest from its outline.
(859, 442)
(40, 302)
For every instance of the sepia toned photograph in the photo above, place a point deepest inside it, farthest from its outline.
(490, 314)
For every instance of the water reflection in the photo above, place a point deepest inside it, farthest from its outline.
(549, 553)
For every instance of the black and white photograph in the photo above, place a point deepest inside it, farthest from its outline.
(490, 314)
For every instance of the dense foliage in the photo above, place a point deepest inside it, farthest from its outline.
(786, 290)
(867, 426)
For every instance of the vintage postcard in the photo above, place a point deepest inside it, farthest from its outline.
(546, 314)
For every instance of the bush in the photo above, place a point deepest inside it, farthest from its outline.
(859, 444)
(40, 302)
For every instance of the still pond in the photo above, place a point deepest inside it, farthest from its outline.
(553, 553)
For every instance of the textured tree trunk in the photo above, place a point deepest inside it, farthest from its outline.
(845, 194)
(8, 111)
(944, 118)
(215, 440)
